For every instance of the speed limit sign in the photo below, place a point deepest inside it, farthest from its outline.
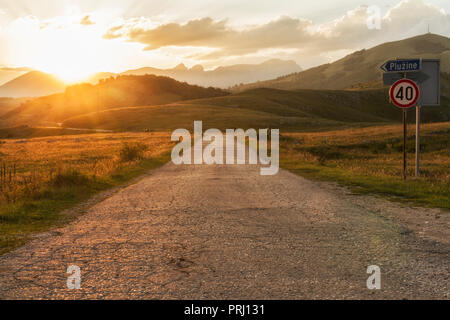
(404, 93)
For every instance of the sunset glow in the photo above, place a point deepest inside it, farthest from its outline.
(62, 47)
(224, 156)
(76, 39)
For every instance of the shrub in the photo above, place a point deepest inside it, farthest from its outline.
(132, 151)
(69, 178)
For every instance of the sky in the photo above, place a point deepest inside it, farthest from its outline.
(75, 38)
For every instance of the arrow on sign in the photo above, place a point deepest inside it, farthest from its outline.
(418, 77)
(404, 65)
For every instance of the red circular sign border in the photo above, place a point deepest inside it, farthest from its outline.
(391, 93)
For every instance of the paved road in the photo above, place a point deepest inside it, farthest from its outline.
(226, 232)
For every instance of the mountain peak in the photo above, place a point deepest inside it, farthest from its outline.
(225, 76)
(32, 84)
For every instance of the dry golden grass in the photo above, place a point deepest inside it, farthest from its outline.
(29, 165)
(372, 158)
(377, 150)
(357, 135)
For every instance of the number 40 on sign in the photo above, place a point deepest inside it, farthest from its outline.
(404, 93)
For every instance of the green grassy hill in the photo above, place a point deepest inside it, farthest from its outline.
(370, 105)
(303, 110)
(173, 116)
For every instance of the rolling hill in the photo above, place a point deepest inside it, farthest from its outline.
(300, 110)
(32, 84)
(361, 67)
(7, 104)
(123, 91)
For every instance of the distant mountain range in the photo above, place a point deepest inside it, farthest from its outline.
(224, 77)
(35, 83)
(361, 67)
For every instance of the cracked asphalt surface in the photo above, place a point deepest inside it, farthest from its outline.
(226, 232)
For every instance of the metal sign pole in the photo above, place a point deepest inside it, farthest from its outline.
(404, 144)
(422, 72)
(417, 140)
(404, 139)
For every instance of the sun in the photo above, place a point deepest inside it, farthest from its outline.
(71, 75)
(72, 54)
(71, 64)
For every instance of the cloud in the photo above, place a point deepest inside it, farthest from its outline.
(408, 18)
(194, 33)
(113, 33)
(414, 16)
(86, 21)
(284, 32)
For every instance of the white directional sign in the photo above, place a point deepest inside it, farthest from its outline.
(427, 78)
(404, 93)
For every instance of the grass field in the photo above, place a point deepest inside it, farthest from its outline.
(370, 160)
(174, 116)
(40, 177)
